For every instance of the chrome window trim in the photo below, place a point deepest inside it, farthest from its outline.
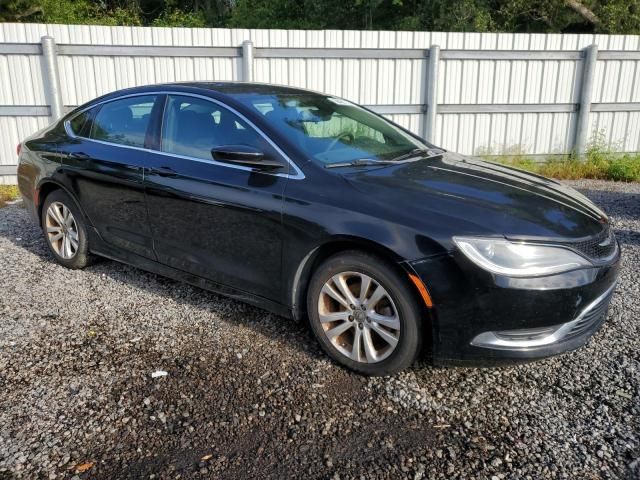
(298, 175)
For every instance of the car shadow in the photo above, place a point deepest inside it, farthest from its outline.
(275, 327)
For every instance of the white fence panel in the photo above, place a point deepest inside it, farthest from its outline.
(488, 102)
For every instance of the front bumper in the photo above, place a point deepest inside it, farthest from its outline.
(480, 319)
(532, 342)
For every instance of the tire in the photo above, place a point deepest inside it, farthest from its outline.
(398, 312)
(78, 256)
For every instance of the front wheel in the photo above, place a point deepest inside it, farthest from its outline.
(364, 315)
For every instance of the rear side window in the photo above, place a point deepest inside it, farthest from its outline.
(193, 126)
(124, 121)
(79, 123)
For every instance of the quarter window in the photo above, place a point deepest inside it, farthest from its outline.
(194, 126)
(78, 124)
(124, 121)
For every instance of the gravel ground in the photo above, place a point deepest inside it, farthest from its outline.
(250, 395)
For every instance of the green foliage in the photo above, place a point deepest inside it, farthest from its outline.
(306, 14)
(18, 10)
(614, 16)
(464, 15)
(625, 169)
(180, 18)
(84, 12)
(620, 16)
(8, 193)
(544, 16)
(599, 163)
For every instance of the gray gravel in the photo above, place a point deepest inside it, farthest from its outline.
(249, 395)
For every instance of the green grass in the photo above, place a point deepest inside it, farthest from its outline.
(597, 164)
(8, 193)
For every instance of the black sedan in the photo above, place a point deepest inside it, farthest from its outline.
(313, 207)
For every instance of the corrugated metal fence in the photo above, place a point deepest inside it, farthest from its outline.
(469, 92)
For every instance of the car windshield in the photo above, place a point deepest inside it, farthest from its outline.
(332, 130)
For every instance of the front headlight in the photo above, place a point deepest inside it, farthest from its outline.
(519, 259)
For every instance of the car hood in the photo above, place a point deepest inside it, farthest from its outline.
(455, 195)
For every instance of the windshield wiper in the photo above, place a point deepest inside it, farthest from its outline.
(361, 162)
(418, 152)
(365, 162)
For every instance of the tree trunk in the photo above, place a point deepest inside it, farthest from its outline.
(27, 13)
(584, 12)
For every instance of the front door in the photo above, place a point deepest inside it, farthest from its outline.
(215, 220)
(103, 161)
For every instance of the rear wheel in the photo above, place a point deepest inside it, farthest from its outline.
(363, 314)
(65, 230)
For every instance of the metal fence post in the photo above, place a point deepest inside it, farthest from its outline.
(247, 61)
(431, 93)
(51, 77)
(582, 123)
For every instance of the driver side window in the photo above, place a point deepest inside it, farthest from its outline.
(193, 126)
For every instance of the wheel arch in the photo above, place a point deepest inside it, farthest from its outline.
(45, 188)
(333, 246)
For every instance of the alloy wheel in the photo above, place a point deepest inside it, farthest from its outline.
(62, 230)
(359, 317)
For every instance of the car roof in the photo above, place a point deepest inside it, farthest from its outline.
(225, 91)
(223, 88)
(231, 88)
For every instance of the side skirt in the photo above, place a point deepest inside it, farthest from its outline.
(103, 249)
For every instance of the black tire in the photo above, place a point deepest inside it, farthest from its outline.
(81, 257)
(409, 313)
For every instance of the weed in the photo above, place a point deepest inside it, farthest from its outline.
(8, 193)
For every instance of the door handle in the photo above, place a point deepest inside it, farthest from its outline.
(79, 156)
(163, 171)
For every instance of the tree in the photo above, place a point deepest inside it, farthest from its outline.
(18, 10)
(598, 16)
(544, 16)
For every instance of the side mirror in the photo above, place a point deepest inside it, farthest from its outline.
(245, 155)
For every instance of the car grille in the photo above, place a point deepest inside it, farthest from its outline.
(599, 247)
(591, 317)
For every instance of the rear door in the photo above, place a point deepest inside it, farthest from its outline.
(215, 220)
(104, 160)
